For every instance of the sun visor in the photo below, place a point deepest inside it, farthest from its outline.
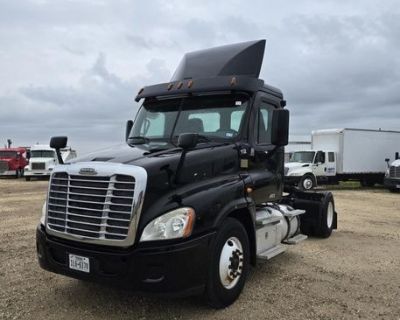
(240, 59)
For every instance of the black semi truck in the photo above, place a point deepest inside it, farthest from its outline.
(195, 195)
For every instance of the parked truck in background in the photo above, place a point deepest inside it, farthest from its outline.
(13, 161)
(43, 159)
(392, 176)
(194, 196)
(341, 155)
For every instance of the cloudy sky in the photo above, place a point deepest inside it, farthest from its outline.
(73, 67)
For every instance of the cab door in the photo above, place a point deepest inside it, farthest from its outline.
(265, 161)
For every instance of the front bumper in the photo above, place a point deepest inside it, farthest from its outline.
(174, 269)
(34, 173)
(291, 180)
(8, 173)
(392, 183)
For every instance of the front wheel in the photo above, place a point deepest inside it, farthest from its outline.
(307, 182)
(230, 261)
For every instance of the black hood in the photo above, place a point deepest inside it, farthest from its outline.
(123, 153)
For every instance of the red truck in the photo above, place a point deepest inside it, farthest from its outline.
(13, 161)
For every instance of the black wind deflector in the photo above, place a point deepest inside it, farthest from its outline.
(240, 59)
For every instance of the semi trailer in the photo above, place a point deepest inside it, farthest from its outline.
(13, 161)
(43, 159)
(342, 155)
(195, 195)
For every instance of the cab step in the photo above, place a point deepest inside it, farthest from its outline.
(272, 252)
(296, 239)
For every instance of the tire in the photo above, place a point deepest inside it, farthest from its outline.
(16, 174)
(28, 178)
(223, 289)
(21, 172)
(326, 223)
(307, 182)
(367, 183)
(394, 190)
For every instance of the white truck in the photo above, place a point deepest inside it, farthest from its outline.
(297, 144)
(43, 159)
(392, 176)
(342, 155)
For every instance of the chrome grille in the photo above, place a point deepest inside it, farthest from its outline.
(394, 172)
(38, 165)
(3, 166)
(97, 207)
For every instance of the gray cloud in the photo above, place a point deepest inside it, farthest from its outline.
(73, 67)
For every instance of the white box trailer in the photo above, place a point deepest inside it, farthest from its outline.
(358, 150)
(343, 154)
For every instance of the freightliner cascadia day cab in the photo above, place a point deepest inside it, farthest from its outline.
(12, 161)
(341, 155)
(43, 159)
(194, 197)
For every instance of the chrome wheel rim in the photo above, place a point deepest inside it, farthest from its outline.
(307, 184)
(231, 263)
(329, 216)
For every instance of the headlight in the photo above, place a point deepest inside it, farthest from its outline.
(43, 217)
(171, 225)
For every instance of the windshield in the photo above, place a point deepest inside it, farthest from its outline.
(218, 118)
(42, 154)
(8, 154)
(303, 157)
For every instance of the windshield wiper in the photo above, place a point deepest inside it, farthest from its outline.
(142, 140)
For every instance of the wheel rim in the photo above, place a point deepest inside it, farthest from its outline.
(329, 216)
(307, 183)
(231, 262)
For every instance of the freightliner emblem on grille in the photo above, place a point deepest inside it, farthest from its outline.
(88, 171)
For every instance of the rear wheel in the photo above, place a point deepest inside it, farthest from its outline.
(229, 264)
(325, 227)
(16, 174)
(28, 178)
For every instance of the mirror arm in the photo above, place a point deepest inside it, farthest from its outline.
(60, 160)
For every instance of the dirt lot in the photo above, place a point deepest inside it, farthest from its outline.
(354, 274)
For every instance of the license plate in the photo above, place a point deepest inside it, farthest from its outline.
(398, 186)
(79, 263)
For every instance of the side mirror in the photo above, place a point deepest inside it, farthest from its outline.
(387, 160)
(187, 140)
(58, 143)
(129, 125)
(280, 127)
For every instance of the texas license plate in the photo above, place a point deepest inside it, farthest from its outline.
(79, 263)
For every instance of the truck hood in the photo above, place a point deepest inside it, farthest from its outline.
(121, 153)
(396, 163)
(294, 165)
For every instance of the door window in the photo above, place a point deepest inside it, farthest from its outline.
(263, 123)
(331, 157)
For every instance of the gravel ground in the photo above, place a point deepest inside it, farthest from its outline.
(353, 275)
